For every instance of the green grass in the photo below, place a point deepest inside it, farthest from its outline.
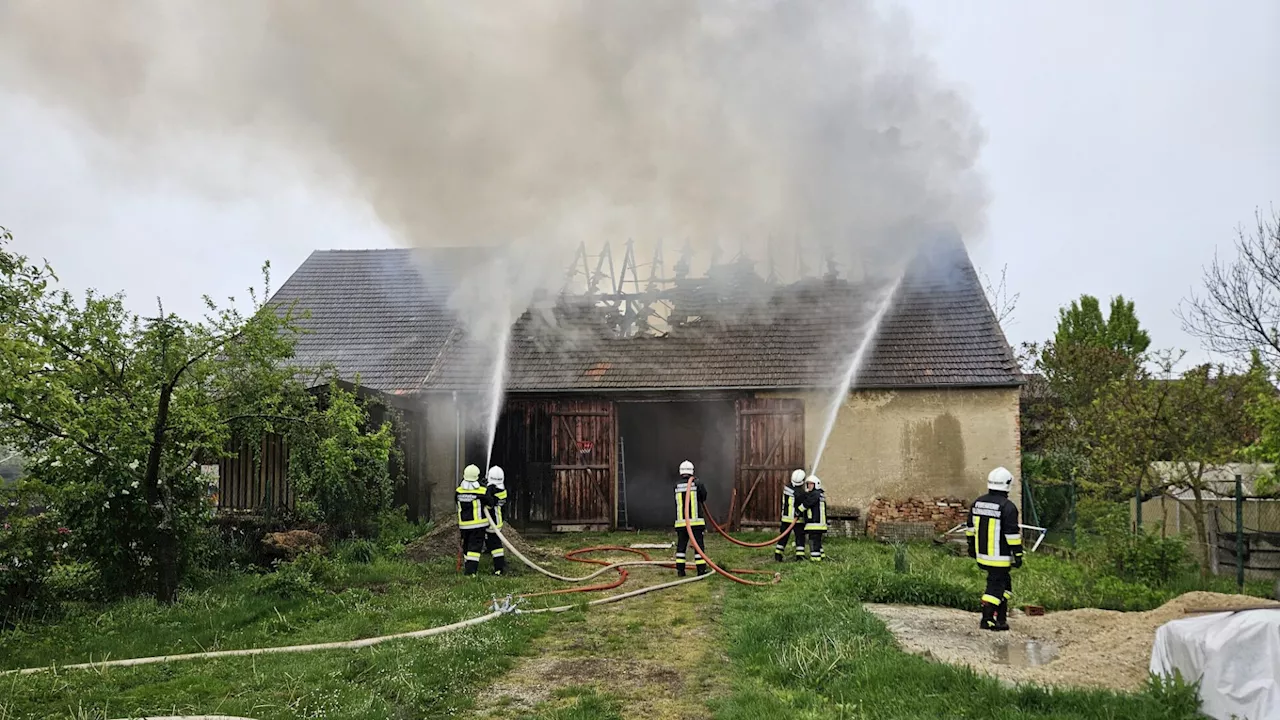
(864, 675)
(805, 650)
(432, 677)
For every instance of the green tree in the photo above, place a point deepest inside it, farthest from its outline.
(1191, 421)
(340, 466)
(117, 412)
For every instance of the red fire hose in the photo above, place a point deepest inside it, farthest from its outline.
(688, 528)
(732, 502)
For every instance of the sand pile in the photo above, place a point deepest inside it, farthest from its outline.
(1083, 648)
(443, 542)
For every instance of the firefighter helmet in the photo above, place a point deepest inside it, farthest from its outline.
(686, 468)
(496, 476)
(1000, 479)
(815, 482)
(797, 478)
(471, 474)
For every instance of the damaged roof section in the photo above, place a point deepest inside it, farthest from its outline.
(374, 314)
(746, 334)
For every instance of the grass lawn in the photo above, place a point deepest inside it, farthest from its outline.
(804, 647)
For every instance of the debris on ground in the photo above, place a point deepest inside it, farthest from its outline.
(290, 544)
(1079, 648)
(443, 542)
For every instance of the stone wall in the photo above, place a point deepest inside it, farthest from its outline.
(889, 518)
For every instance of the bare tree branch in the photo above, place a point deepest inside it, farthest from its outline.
(1002, 304)
(1238, 310)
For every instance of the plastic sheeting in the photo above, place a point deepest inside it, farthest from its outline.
(1235, 656)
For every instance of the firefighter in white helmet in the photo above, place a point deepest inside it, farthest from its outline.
(496, 488)
(792, 512)
(815, 517)
(472, 498)
(995, 541)
(697, 492)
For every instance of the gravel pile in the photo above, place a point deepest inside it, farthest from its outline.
(1081, 648)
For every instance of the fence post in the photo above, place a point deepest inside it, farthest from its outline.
(1137, 512)
(1239, 533)
(1072, 512)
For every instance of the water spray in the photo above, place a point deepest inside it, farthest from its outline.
(496, 394)
(855, 364)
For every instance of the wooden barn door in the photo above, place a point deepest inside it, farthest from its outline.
(770, 447)
(582, 450)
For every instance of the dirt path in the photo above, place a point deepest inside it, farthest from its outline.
(1081, 648)
(656, 653)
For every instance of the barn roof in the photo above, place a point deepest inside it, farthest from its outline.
(374, 313)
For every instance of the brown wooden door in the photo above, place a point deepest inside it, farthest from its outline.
(770, 447)
(583, 439)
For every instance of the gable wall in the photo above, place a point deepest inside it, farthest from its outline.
(912, 443)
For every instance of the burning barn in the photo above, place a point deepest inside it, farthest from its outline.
(608, 389)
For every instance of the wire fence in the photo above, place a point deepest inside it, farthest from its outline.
(1236, 536)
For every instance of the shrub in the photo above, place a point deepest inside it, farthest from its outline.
(77, 582)
(1142, 557)
(341, 471)
(31, 541)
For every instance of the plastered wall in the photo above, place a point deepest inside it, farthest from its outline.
(911, 443)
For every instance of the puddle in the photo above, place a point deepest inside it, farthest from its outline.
(1031, 653)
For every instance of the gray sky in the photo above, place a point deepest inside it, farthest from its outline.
(1125, 142)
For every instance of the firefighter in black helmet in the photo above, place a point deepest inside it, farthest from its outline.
(995, 541)
(698, 497)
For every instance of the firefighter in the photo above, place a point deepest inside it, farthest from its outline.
(472, 499)
(815, 517)
(995, 541)
(688, 483)
(496, 489)
(792, 512)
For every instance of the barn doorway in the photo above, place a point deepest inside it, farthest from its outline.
(654, 438)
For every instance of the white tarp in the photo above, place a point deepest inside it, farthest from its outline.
(1235, 656)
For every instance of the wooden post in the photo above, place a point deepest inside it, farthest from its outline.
(1239, 533)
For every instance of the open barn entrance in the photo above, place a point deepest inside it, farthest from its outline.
(654, 437)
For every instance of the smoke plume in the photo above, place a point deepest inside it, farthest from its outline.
(732, 125)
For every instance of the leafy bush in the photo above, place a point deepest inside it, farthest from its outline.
(78, 582)
(1111, 547)
(31, 542)
(341, 471)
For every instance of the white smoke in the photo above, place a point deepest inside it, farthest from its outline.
(534, 126)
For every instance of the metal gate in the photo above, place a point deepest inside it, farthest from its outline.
(770, 447)
(582, 451)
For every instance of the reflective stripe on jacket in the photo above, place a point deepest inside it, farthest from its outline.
(788, 504)
(993, 531)
(816, 516)
(499, 502)
(695, 513)
(471, 503)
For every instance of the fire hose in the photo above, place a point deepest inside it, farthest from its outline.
(732, 502)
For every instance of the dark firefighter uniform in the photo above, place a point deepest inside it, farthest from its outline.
(995, 541)
(689, 484)
(815, 520)
(792, 511)
(472, 499)
(492, 543)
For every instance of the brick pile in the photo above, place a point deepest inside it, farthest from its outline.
(941, 513)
